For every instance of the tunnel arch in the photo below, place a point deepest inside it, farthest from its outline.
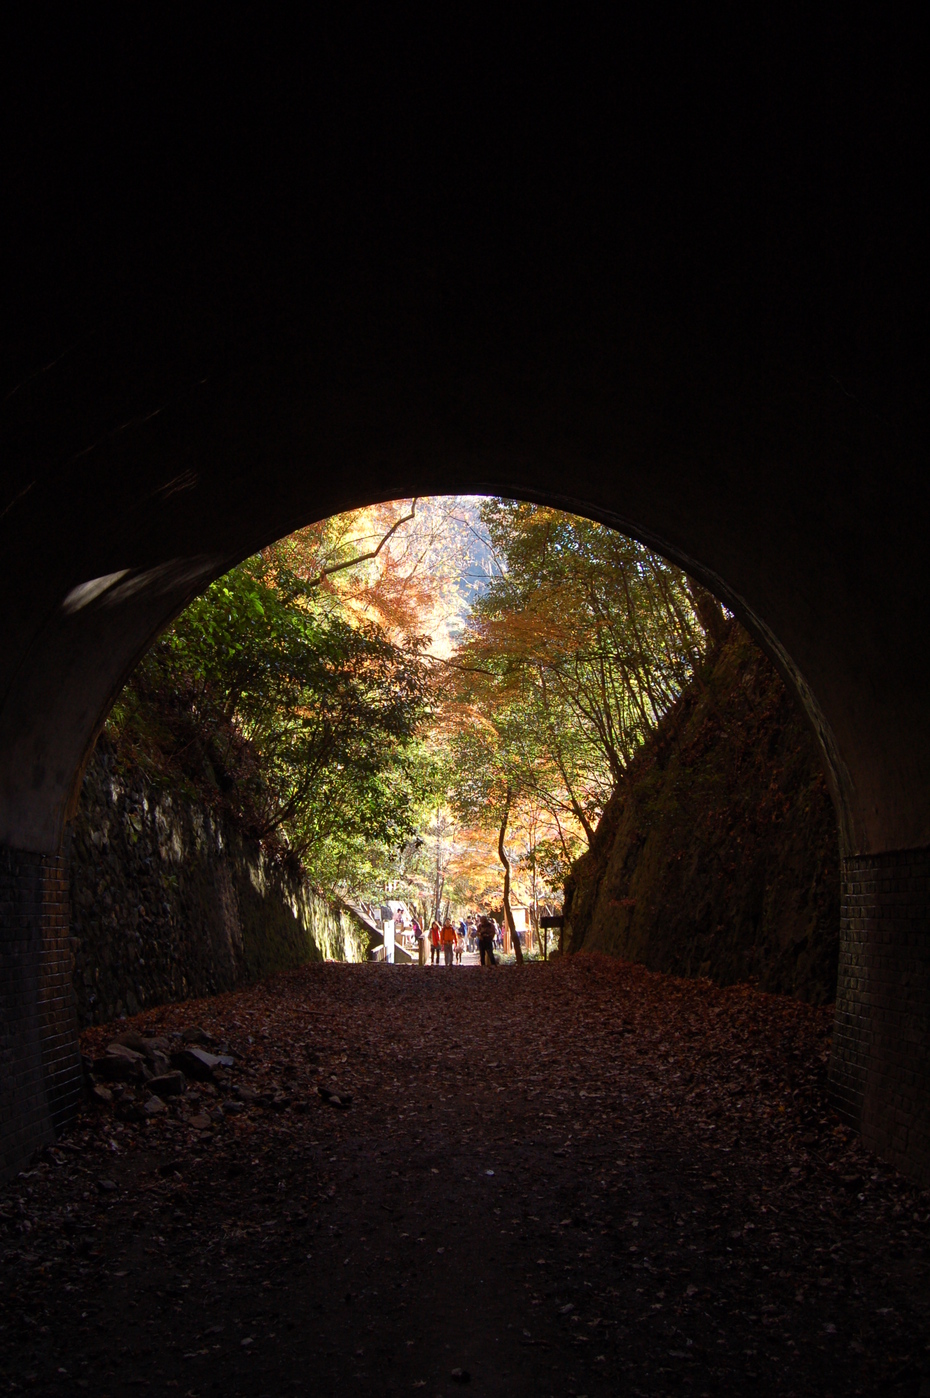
(83, 877)
(115, 582)
(112, 590)
(130, 606)
(692, 323)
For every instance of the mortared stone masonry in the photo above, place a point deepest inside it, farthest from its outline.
(217, 912)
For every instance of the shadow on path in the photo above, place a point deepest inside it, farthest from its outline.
(569, 1179)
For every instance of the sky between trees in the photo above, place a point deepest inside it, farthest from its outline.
(425, 700)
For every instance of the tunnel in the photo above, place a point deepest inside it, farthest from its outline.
(710, 350)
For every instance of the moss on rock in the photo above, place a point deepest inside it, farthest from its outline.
(170, 900)
(718, 855)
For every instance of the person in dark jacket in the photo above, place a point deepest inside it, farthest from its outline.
(422, 942)
(486, 933)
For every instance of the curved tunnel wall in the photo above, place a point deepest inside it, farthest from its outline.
(770, 533)
(135, 541)
(688, 310)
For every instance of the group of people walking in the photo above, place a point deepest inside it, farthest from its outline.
(452, 942)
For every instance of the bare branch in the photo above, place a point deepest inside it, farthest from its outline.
(364, 557)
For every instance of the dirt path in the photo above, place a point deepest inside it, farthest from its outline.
(574, 1179)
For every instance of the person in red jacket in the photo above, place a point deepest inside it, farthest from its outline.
(448, 941)
(435, 938)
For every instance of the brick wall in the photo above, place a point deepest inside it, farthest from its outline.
(881, 1052)
(40, 1072)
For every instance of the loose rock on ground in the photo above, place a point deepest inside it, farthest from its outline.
(570, 1179)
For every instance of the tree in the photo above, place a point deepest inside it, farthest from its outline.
(492, 759)
(309, 718)
(540, 861)
(410, 566)
(423, 664)
(592, 636)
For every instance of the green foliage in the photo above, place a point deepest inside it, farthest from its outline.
(588, 639)
(305, 718)
(274, 697)
(718, 853)
(577, 647)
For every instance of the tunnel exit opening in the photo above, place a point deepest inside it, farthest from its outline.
(535, 662)
(115, 604)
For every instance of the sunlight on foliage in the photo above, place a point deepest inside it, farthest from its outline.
(409, 699)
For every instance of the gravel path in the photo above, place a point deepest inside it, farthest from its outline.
(569, 1179)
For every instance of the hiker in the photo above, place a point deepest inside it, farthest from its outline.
(459, 944)
(486, 933)
(448, 941)
(434, 942)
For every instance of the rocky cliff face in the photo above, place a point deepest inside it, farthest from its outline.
(718, 856)
(169, 900)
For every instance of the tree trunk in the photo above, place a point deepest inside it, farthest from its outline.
(508, 911)
(535, 914)
(709, 613)
(437, 900)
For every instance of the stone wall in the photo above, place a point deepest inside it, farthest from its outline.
(718, 854)
(169, 901)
